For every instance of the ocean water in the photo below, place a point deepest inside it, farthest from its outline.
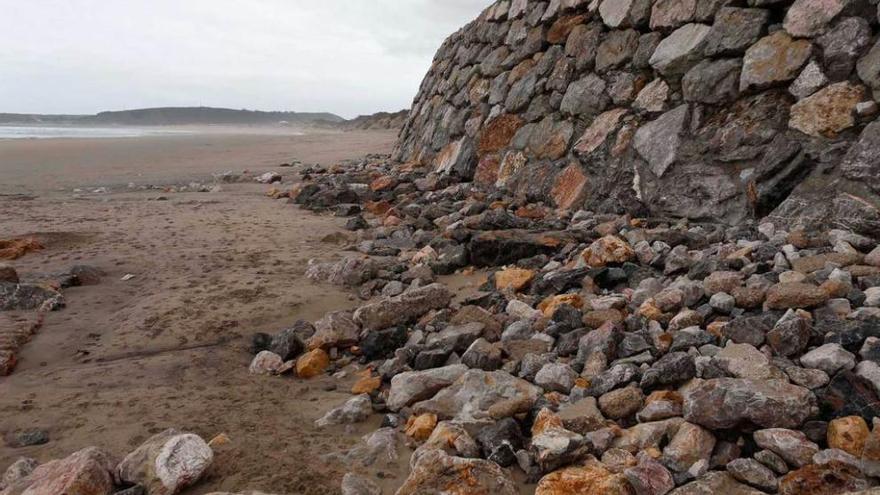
(48, 132)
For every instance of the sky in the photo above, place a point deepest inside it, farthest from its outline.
(349, 57)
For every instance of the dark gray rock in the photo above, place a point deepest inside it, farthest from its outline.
(734, 30)
(500, 441)
(842, 45)
(712, 82)
(727, 402)
(26, 438)
(585, 97)
(483, 355)
(675, 367)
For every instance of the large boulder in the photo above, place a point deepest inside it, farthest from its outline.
(715, 483)
(479, 395)
(592, 478)
(436, 472)
(413, 386)
(404, 308)
(87, 472)
(727, 402)
(773, 60)
(681, 50)
(166, 463)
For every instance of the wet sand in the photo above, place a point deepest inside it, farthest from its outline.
(168, 348)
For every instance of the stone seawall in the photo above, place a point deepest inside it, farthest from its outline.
(717, 110)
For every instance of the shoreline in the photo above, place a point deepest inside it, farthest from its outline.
(168, 347)
(41, 166)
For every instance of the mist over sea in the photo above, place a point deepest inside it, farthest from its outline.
(48, 132)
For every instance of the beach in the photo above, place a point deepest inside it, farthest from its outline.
(192, 153)
(168, 347)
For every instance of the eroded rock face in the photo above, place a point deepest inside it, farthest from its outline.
(679, 108)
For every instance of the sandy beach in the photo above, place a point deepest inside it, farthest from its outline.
(169, 346)
(40, 165)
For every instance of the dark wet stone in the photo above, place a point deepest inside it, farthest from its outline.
(851, 334)
(559, 282)
(287, 344)
(381, 344)
(434, 358)
(26, 438)
(747, 330)
(260, 342)
(849, 395)
(500, 441)
(675, 367)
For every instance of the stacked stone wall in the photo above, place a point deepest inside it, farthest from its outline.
(718, 110)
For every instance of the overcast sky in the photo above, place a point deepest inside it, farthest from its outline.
(349, 57)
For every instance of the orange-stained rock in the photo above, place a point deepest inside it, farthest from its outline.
(377, 208)
(716, 328)
(520, 70)
(559, 31)
(608, 250)
(419, 428)
(498, 132)
(650, 311)
(516, 279)
(823, 479)
(551, 304)
(829, 111)
(545, 420)
(312, 363)
(533, 212)
(436, 472)
(384, 183)
(848, 434)
(590, 479)
(11, 249)
(486, 174)
(569, 187)
(366, 385)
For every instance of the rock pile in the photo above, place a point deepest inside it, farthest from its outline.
(164, 465)
(718, 109)
(604, 354)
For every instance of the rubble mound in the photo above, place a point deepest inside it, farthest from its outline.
(708, 110)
